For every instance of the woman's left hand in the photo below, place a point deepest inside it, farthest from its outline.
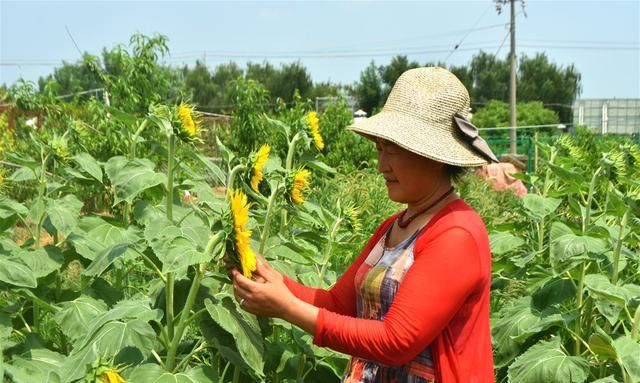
(267, 297)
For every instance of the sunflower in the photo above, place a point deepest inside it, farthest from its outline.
(299, 184)
(240, 212)
(314, 125)
(262, 156)
(111, 376)
(189, 120)
(60, 147)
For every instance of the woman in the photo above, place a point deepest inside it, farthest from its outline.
(414, 306)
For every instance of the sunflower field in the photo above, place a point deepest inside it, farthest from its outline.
(115, 227)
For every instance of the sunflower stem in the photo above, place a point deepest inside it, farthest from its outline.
(232, 177)
(267, 219)
(289, 165)
(169, 288)
(616, 252)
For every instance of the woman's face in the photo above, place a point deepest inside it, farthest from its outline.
(409, 177)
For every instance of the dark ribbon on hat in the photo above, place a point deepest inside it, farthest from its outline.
(471, 135)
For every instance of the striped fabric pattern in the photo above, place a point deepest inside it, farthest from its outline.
(377, 282)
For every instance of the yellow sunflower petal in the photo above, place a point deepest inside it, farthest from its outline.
(300, 183)
(314, 125)
(186, 115)
(263, 155)
(112, 376)
(240, 212)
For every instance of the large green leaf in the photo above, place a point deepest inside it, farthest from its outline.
(547, 362)
(95, 235)
(9, 210)
(6, 328)
(42, 261)
(112, 338)
(24, 174)
(127, 309)
(502, 242)
(538, 206)
(153, 373)
(16, 273)
(244, 328)
(218, 175)
(517, 322)
(64, 213)
(176, 247)
(36, 365)
(132, 177)
(76, 315)
(105, 258)
(88, 164)
(599, 285)
(608, 379)
(125, 325)
(628, 351)
(566, 245)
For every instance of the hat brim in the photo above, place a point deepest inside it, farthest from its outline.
(436, 140)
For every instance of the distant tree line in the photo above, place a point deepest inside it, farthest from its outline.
(486, 77)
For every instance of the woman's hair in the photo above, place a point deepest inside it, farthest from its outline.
(455, 172)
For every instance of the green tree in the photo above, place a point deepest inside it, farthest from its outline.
(133, 76)
(199, 84)
(390, 73)
(368, 90)
(557, 87)
(496, 114)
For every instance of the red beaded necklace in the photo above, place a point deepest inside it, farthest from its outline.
(404, 224)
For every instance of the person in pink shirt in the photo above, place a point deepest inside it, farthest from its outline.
(414, 305)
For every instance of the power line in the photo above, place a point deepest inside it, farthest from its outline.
(467, 34)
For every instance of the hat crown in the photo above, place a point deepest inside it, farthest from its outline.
(433, 95)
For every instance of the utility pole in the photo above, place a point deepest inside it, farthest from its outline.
(512, 82)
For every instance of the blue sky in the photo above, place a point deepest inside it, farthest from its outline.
(334, 40)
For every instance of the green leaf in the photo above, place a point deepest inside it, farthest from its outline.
(9, 207)
(213, 169)
(42, 261)
(76, 315)
(502, 242)
(23, 175)
(320, 166)
(547, 362)
(566, 245)
(89, 165)
(285, 252)
(244, 328)
(16, 273)
(107, 342)
(175, 246)
(131, 178)
(6, 328)
(516, 323)
(608, 379)
(95, 235)
(599, 285)
(628, 351)
(36, 365)
(105, 258)
(538, 206)
(153, 373)
(64, 213)
(554, 292)
(602, 344)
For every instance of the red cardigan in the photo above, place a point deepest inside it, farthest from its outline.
(443, 301)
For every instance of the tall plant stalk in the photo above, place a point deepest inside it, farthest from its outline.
(169, 293)
(184, 318)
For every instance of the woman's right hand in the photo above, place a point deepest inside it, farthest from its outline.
(230, 266)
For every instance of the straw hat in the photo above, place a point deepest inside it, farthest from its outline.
(426, 113)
